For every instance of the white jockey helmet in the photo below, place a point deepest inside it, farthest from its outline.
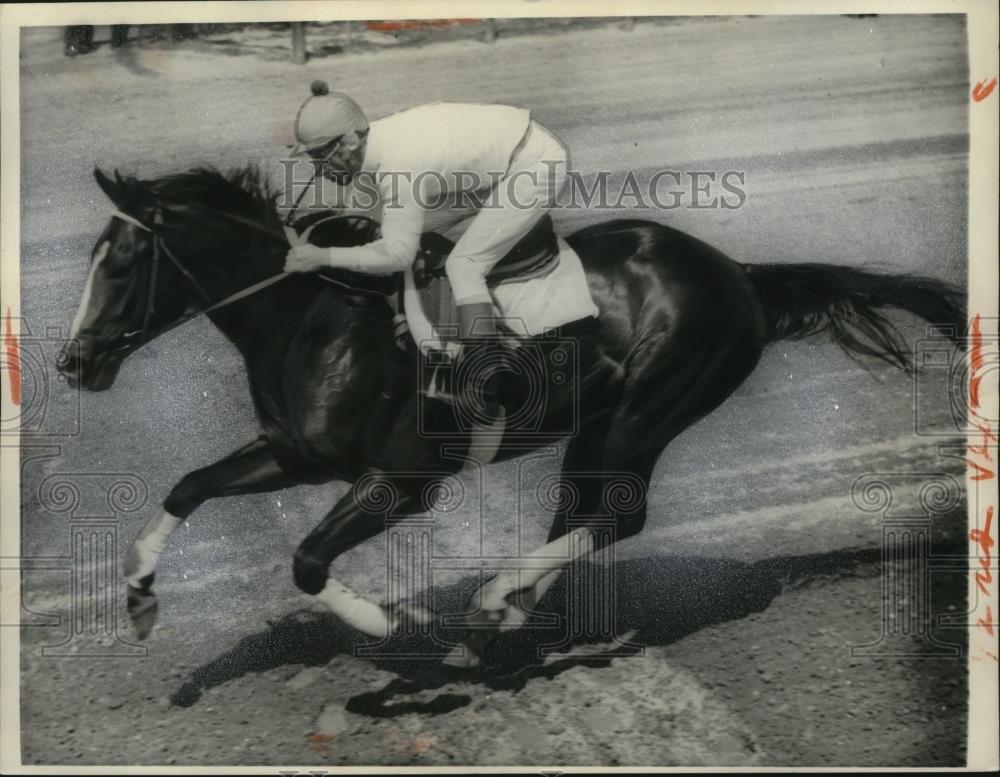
(325, 116)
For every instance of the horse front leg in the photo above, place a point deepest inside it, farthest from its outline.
(251, 469)
(359, 515)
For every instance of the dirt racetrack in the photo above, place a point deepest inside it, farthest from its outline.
(757, 572)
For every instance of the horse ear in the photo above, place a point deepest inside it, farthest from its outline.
(112, 188)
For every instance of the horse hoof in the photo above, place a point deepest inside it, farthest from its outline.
(481, 628)
(461, 657)
(142, 608)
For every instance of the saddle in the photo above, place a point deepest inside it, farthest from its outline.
(532, 256)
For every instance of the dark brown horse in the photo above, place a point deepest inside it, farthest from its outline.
(680, 327)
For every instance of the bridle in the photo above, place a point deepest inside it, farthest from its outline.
(160, 247)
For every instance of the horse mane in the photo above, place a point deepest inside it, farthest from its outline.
(241, 190)
(246, 193)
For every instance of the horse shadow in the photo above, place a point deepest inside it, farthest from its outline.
(657, 601)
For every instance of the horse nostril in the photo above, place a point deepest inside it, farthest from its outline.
(68, 358)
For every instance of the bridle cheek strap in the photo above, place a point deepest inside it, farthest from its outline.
(120, 214)
(159, 246)
(151, 290)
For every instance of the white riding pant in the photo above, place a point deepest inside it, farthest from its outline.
(535, 176)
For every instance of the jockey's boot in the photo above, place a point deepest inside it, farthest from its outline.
(477, 376)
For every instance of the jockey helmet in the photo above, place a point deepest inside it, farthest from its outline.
(324, 116)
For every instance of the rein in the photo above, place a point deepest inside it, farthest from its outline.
(160, 247)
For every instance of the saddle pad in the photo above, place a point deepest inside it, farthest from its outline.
(528, 307)
(534, 254)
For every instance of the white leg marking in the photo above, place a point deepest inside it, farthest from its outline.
(516, 617)
(550, 560)
(81, 311)
(354, 610)
(140, 561)
(545, 583)
(553, 556)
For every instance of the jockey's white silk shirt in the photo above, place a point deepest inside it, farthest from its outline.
(418, 156)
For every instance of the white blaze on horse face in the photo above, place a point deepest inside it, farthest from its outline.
(88, 290)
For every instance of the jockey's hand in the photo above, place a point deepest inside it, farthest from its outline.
(305, 258)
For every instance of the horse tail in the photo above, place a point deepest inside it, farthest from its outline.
(800, 300)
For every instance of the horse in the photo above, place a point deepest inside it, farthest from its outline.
(681, 326)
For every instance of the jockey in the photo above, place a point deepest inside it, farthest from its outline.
(431, 153)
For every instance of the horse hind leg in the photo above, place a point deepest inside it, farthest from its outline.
(668, 395)
(506, 601)
(656, 410)
(606, 476)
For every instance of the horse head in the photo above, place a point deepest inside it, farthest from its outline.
(127, 296)
(137, 287)
(181, 245)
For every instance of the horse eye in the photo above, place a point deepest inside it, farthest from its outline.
(117, 271)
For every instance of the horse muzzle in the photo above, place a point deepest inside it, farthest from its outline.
(84, 366)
